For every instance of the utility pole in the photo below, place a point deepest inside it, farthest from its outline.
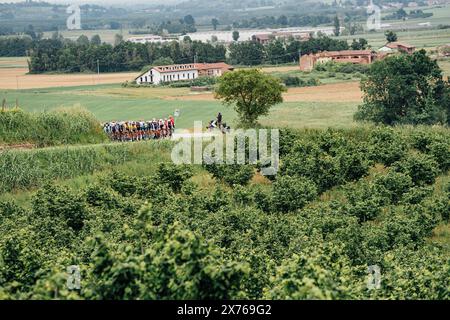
(98, 71)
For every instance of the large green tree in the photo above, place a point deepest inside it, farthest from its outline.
(390, 36)
(337, 26)
(252, 93)
(405, 89)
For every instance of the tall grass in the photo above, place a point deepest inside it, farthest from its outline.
(25, 169)
(56, 127)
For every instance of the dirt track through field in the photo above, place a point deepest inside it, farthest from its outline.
(338, 92)
(16, 78)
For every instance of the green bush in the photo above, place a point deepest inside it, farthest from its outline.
(290, 194)
(173, 175)
(420, 167)
(393, 185)
(60, 203)
(294, 81)
(232, 174)
(386, 146)
(363, 201)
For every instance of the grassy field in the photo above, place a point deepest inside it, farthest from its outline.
(304, 107)
(420, 38)
(331, 104)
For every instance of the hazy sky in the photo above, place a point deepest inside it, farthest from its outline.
(103, 2)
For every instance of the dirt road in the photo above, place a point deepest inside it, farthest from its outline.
(338, 92)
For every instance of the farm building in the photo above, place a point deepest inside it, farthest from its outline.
(150, 39)
(444, 51)
(267, 37)
(393, 47)
(182, 72)
(307, 62)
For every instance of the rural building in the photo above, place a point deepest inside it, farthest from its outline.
(393, 47)
(264, 38)
(182, 72)
(150, 39)
(307, 62)
(444, 51)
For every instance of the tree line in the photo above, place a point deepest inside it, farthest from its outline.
(69, 56)
(58, 54)
(281, 50)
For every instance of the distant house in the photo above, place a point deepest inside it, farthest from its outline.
(393, 47)
(264, 38)
(444, 51)
(182, 72)
(151, 38)
(307, 62)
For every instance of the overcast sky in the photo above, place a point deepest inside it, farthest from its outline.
(103, 2)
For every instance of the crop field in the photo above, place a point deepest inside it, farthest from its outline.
(420, 38)
(330, 104)
(112, 102)
(347, 195)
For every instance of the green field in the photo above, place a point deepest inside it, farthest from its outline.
(419, 38)
(112, 102)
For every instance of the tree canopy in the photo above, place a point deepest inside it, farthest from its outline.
(405, 89)
(251, 91)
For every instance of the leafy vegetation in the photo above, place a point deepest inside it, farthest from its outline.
(56, 127)
(405, 89)
(251, 92)
(164, 235)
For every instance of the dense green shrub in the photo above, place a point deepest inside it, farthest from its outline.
(393, 185)
(293, 81)
(328, 163)
(136, 237)
(60, 203)
(441, 153)
(307, 160)
(322, 273)
(173, 175)
(386, 146)
(363, 201)
(177, 265)
(231, 174)
(290, 194)
(420, 167)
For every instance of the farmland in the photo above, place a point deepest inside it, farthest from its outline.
(347, 195)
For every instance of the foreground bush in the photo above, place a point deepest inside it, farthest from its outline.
(60, 126)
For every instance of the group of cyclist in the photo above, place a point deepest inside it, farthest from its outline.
(140, 130)
(155, 129)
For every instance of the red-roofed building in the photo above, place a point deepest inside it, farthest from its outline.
(182, 72)
(307, 62)
(392, 47)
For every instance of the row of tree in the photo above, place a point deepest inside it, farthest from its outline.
(58, 54)
(63, 56)
(281, 51)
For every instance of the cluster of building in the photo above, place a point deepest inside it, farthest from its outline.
(191, 71)
(182, 72)
(261, 36)
(264, 38)
(151, 38)
(308, 62)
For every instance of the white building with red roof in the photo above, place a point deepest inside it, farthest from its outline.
(182, 72)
